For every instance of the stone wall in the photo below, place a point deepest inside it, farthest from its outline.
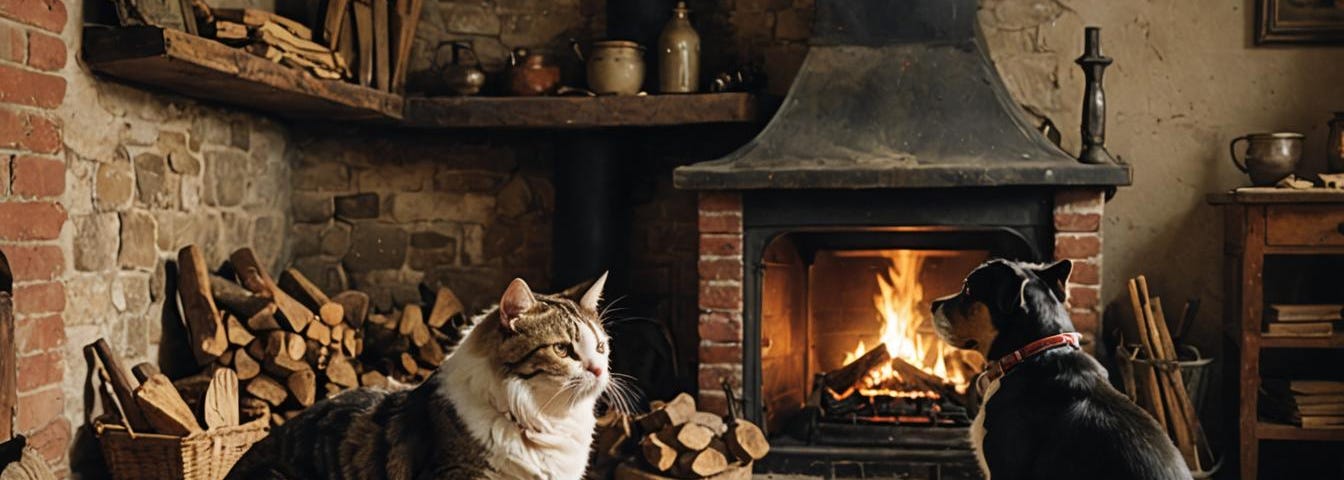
(383, 212)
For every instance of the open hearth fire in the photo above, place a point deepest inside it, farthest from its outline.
(911, 377)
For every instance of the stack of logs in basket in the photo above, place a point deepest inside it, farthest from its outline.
(289, 343)
(674, 440)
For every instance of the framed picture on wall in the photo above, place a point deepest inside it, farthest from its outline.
(1299, 21)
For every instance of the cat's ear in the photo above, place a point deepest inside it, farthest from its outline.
(594, 294)
(516, 300)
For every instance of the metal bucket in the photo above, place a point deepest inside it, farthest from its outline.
(1194, 371)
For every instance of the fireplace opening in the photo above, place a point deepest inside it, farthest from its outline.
(849, 354)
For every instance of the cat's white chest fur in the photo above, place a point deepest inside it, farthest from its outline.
(978, 428)
(560, 453)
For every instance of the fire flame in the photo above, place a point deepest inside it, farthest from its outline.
(907, 331)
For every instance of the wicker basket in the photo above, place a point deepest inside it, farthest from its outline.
(148, 456)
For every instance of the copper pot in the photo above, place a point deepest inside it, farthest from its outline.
(532, 74)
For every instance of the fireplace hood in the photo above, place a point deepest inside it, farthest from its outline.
(897, 94)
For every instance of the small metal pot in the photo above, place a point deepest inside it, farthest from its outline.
(464, 75)
(1334, 151)
(1269, 156)
(615, 67)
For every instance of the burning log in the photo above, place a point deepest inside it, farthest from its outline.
(842, 379)
(925, 380)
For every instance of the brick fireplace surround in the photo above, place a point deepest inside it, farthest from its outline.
(1077, 222)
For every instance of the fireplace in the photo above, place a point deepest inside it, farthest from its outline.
(896, 165)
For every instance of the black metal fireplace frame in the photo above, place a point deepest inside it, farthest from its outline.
(1013, 222)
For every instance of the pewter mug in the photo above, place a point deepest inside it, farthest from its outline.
(1269, 156)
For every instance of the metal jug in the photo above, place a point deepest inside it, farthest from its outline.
(1269, 156)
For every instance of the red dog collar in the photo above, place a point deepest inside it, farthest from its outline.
(997, 369)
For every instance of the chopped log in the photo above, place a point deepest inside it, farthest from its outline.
(340, 372)
(350, 343)
(225, 359)
(220, 407)
(660, 456)
(670, 414)
(292, 314)
(251, 408)
(431, 354)
(925, 380)
(193, 388)
(264, 321)
(614, 433)
(746, 441)
(204, 324)
(230, 31)
(282, 343)
(408, 364)
(239, 301)
(314, 54)
(373, 378)
(245, 366)
(355, 304)
(446, 306)
(709, 420)
(411, 317)
(420, 335)
(237, 333)
(303, 387)
(164, 408)
(319, 332)
(688, 436)
(700, 464)
(277, 419)
(305, 291)
(295, 345)
(332, 314)
(347, 47)
(842, 379)
(405, 19)
(144, 370)
(364, 31)
(123, 386)
(281, 366)
(267, 389)
(382, 66)
(255, 18)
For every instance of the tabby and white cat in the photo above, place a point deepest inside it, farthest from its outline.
(515, 400)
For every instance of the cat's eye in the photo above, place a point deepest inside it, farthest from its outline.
(601, 347)
(561, 350)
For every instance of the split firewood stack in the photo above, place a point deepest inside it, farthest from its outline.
(290, 344)
(674, 440)
(1152, 377)
(278, 39)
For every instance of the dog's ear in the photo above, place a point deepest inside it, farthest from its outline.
(1010, 289)
(1056, 276)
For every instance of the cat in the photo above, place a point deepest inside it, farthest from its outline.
(515, 400)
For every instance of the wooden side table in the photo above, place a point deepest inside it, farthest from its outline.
(1259, 223)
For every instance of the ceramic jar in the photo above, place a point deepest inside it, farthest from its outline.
(532, 74)
(679, 54)
(615, 67)
(1334, 151)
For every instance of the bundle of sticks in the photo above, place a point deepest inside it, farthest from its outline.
(148, 402)
(674, 440)
(278, 39)
(1156, 383)
(289, 343)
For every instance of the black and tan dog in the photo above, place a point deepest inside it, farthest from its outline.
(1047, 411)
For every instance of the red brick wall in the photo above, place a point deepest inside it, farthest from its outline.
(720, 223)
(1078, 215)
(32, 181)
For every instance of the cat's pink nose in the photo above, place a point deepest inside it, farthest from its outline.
(596, 370)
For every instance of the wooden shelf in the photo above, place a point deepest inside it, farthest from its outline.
(1266, 430)
(1333, 341)
(203, 68)
(1276, 195)
(586, 112)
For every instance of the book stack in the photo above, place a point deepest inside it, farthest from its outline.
(1302, 320)
(1305, 403)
